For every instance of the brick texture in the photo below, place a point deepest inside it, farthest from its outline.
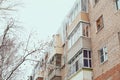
(112, 74)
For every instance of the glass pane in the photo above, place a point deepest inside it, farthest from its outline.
(102, 59)
(81, 61)
(85, 63)
(85, 53)
(101, 52)
(89, 54)
(90, 63)
(106, 56)
(118, 4)
(76, 65)
(58, 60)
(84, 5)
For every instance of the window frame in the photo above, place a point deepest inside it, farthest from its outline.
(100, 23)
(88, 58)
(117, 4)
(104, 55)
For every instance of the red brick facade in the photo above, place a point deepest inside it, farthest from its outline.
(112, 74)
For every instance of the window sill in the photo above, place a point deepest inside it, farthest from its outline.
(102, 63)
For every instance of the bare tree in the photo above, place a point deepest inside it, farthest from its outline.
(8, 50)
(9, 47)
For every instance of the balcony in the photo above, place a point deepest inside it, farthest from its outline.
(55, 74)
(80, 17)
(82, 74)
(82, 42)
(55, 46)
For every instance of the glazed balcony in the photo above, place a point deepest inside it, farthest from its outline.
(82, 43)
(55, 74)
(56, 46)
(81, 17)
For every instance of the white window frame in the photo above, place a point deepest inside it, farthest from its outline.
(118, 4)
(105, 54)
(87, 58)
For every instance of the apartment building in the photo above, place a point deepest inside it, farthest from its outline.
(87, 45)
(104, 16)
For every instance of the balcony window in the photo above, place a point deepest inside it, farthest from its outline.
(81, 60)
(80, 6)
(103, 54)
(118, 4)
(76, 64)
(99, 23)
(85, 31)
(80, 30)
(87, 58)
(84, 5)
(58, 59)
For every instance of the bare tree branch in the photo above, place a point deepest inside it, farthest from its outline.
(39, 49)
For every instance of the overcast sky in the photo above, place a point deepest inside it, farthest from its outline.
(44, 16)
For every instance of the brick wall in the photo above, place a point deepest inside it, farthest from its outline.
(112, 74)
(107, 36)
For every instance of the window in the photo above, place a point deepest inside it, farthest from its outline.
(85, 31)
(87, 58)
(84, 5)
(81, 60)
(99, 23)
(58, 60)
(103, 54)
(82, 29)
(118, 4)
(96, 1)
(76, 63)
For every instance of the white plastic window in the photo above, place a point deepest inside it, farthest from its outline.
(103, 54)
(118, 4)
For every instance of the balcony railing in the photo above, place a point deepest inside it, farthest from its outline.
(55, 73)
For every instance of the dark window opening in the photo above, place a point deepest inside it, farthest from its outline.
(85, 63)
(76, 65)
(85, 53)
(99, 23)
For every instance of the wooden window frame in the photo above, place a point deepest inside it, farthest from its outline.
(99, 23)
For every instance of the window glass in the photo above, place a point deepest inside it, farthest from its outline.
(102, 58)
(90, 63)
(118, 4)
(85, 62)
(80, 61)
(89, 54)
(85, 53)
(58, 60)
(103, 54)
(76, 65)
(99, 23)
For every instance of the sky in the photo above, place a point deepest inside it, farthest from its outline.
(44, 16)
